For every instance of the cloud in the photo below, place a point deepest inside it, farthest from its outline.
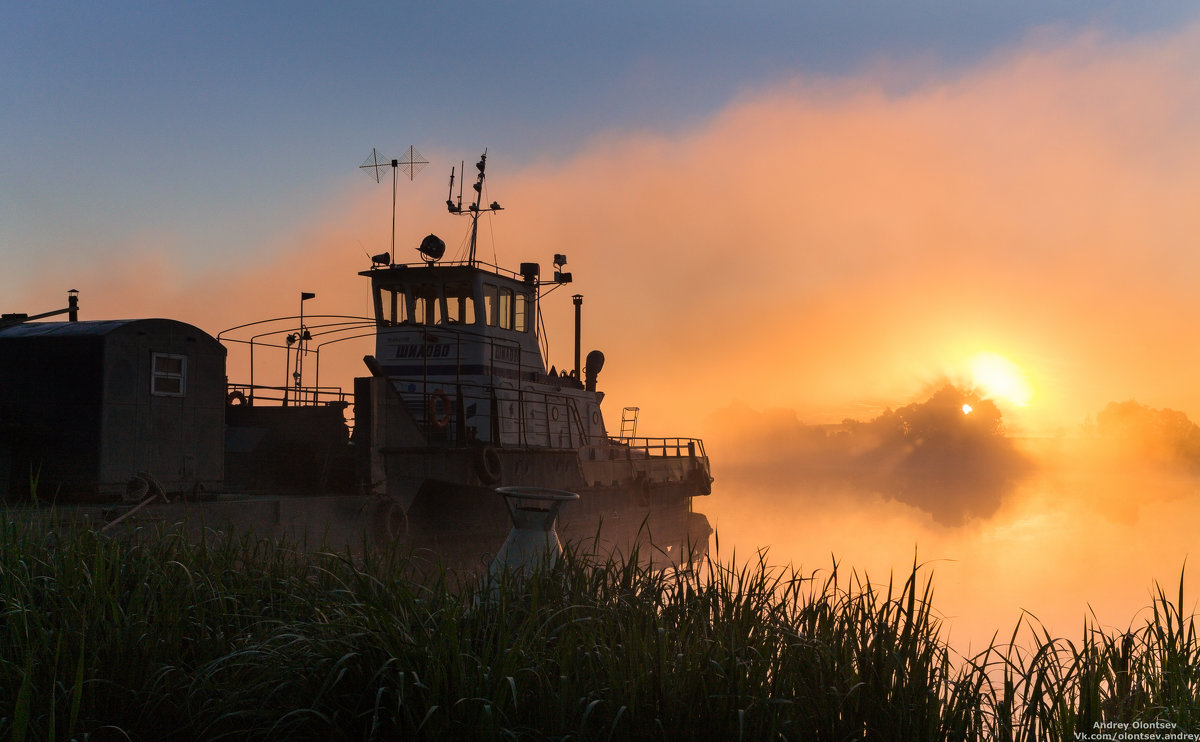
(825, 245)
(830, 246)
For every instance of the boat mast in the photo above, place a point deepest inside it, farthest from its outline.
(474, 209)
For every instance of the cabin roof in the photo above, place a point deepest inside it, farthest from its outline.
(445, 271)
(85, 328)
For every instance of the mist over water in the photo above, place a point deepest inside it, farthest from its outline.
(1083, 528)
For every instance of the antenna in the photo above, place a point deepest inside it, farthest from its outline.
(374, 165)
(474, 209)
(412, 163)
(450, 196)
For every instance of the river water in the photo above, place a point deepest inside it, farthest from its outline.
(1067, 543)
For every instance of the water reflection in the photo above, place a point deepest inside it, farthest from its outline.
(1062, 544)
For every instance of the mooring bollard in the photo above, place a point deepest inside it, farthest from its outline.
(533, 540)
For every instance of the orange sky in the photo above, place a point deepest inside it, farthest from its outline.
(824, 247)
(828, 247)
(822, 250)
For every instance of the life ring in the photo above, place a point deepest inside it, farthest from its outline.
(487, 464)
(439, 408)
(235, 398)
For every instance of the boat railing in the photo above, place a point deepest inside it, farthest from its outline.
(520, 417)
(659, 447)
(299, 340)
(491, 267)
(442, 401)
(286, 396)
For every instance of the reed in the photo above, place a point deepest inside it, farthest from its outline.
(157, 635)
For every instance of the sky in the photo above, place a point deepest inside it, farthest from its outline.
(848, 200)
(813, 211)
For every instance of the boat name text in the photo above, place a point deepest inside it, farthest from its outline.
(429, 350)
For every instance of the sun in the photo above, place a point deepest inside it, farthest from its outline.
(999, 378)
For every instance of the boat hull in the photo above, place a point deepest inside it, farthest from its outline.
(467, 524)
(462, 527)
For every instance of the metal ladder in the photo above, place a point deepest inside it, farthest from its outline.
(629, 417)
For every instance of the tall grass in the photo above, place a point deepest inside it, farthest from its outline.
(231, 637)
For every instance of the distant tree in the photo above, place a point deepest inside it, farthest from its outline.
(951, 461)
(947, 455)
(1160, 435)
(945, 414)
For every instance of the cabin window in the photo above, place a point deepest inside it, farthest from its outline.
(521, 312)
(168, 375)
(427, 305)
(491, 303)
(505, 308)
(460, 303)
(393, 306)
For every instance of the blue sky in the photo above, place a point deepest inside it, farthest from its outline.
(215, 123)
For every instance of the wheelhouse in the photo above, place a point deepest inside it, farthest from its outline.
(449, 321)
(459, 342)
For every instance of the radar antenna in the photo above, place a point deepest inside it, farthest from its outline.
(412, 163)
(474, 209)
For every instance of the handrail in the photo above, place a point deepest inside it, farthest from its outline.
(495, 269)
(220, 335)
(511, 425)
(309, 396)
(276, 326)
(662, 447)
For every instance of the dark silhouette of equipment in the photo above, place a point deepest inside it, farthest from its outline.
(432, 249)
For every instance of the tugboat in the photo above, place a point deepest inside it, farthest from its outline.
(124, 418)
(461, 402)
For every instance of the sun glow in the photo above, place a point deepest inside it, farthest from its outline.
(999, 378)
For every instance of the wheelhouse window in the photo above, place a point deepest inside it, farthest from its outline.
(168, 375)
(427, 305)
(521, 312)
(505, 308)
(460, 303)
(491, 303)
(393, 305)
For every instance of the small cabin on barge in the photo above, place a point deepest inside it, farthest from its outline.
(86, 408)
